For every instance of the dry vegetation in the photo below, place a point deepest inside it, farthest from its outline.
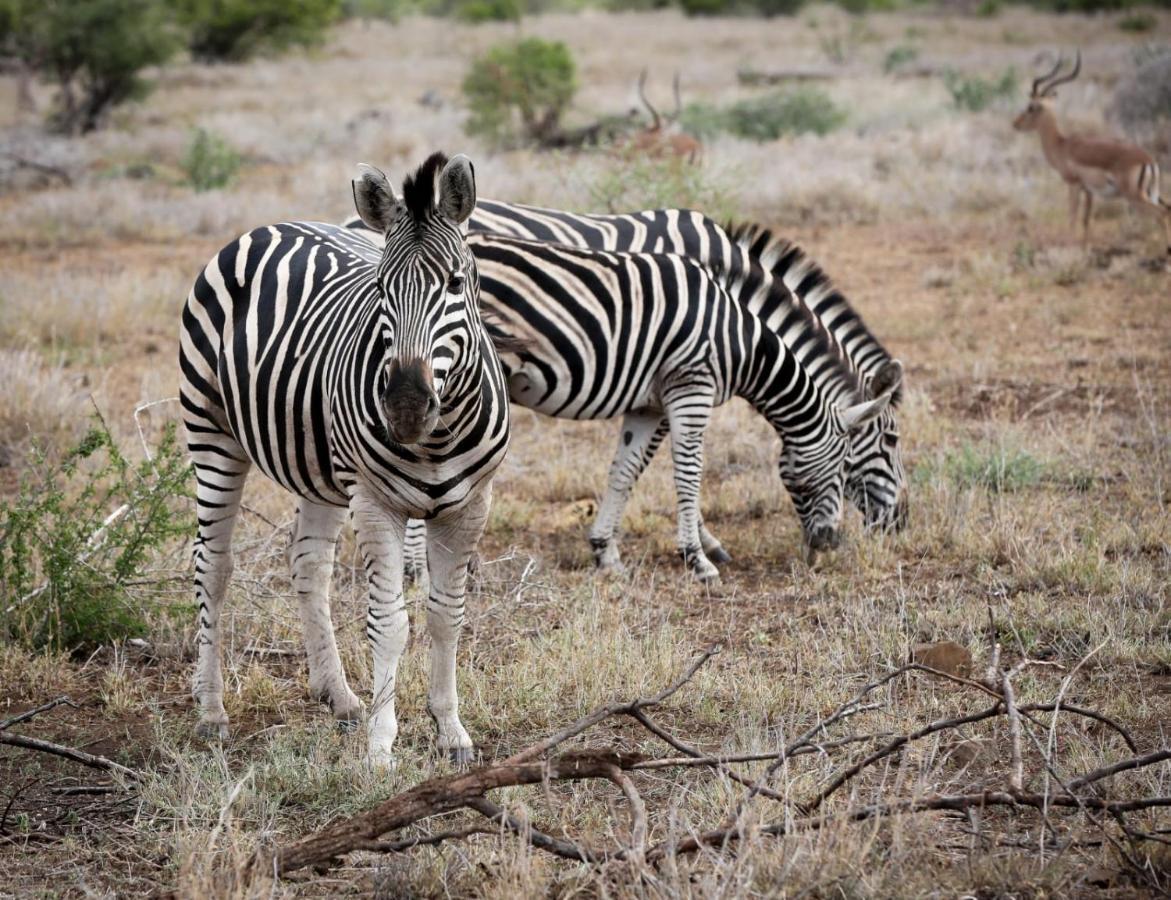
(1036, 427)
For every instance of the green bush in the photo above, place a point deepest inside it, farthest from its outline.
(733, 7)
(93, 50)
(234, 30)
(998, 470)
(488, 10)
(518, 92)
(210, 162)
(76, 540)
(899, 56)
(975, 94)
(1138, 22)
(768, 117)
(642, 182)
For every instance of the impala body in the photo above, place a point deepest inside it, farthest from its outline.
(1092, 166)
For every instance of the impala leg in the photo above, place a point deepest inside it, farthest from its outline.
(1075, 196)
(311, 559)
(221, 468)
(380, 540)
(689, 410)
(639, 438)
(1086, 220)
(450, 544)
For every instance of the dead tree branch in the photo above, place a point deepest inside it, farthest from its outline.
(78, 756)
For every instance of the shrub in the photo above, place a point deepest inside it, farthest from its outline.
(520, 91)
(210, 162)
(1138, 22)
(488, 10)
(93, 50)
(640, 182)
(234, 30)
(731, 7)
(999, 470)
(75, 541)
(767, 117)
(975, 94)
(899, 56)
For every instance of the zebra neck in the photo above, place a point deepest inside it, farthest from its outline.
(783, 390)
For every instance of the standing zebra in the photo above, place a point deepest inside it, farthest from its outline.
(657, 339)
(751, 261)
(359, 379)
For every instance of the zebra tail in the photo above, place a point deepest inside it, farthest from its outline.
(502, 340)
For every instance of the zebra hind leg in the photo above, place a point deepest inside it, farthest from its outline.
(311, 555)
(639, 438)
(415, 553)
(221, 468)
(711, 545)
(689, 409)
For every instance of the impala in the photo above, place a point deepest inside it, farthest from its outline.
(1091, 166)
(662, 138)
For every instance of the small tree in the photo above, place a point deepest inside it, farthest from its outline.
(531, 81)
(93, 50)
(234, 30)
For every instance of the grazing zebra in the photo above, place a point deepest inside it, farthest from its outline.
(657, 339)
(359, 379)
(784, 292)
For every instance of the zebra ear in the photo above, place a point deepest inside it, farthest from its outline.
(854, 417)
(887, 380)
(457, 189)
(374, 198)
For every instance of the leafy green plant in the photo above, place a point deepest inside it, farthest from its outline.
(1138, 22)
(898, 56)
(641, 182)
(76, 539)
(210, 162)
(767, 117)
(93, 50)
(234, 30)
(489, 10)
(975, 94)
(518, 92)
(998, 470)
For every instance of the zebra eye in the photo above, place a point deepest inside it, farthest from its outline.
(455, 284)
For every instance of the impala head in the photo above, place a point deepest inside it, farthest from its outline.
(427, 283)
(1044, 92)
(876, 481)
(813, 469)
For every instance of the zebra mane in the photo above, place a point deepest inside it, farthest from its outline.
(419, 188)
(782, 257)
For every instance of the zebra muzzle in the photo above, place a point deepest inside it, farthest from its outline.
(410, 402)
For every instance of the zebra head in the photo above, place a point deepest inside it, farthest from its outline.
(427, 284)
(813, 469)
(876, 481)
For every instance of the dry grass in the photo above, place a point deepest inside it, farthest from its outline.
(1025, 358)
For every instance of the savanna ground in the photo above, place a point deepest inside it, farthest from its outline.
(1035, 426)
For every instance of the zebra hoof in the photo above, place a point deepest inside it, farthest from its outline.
(461, 756)
(212, 731)
(719, 555)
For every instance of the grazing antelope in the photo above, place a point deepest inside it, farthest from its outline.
(1091, 165)
(663, 138)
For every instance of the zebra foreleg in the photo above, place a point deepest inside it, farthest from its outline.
(311, 559)
(220, 471)
(689, 409)
(380, 541)
(640, 437)
(450, 544)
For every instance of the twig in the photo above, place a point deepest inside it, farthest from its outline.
(28, 714)
(1125, 765)
(78, 756)
(423, 840)
(564, 849)
(1016, 777)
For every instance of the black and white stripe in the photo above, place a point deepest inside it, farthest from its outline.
(357, 379)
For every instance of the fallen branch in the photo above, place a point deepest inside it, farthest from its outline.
(78, 756)
(36, 711)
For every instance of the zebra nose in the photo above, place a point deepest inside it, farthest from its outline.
(410, 403)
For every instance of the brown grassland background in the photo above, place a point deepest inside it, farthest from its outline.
(948, 232)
